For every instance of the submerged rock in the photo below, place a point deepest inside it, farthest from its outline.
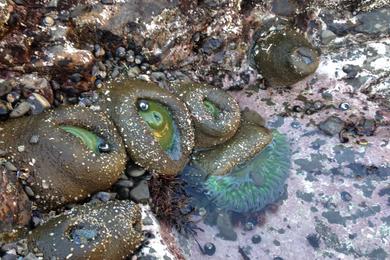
(109, 230)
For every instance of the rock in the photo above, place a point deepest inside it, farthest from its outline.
(48, 21)
(34, 139)
(104, 196)
(38, 103)
(374, 22)
(4, 16)
(30, 256)
(351, 70)
(140, 193)
(327, 36)
(10, 167)
(5, 87)
(3, 110)
(135, 172)
(345, 196)
(211, 45)
(20, 110)
(125, 183)
(332, 125)
(366, 127)
(284, 7)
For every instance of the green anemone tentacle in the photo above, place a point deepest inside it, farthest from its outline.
(248, 187)
(239, 192)
(89, 139)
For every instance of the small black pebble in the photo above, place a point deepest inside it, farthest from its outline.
(209, 248)
(314, 240)
(256, 239)
(345, 196)
(297, 109)
(278, 258)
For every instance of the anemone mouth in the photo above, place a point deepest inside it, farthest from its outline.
(162, 126)
(89, 138)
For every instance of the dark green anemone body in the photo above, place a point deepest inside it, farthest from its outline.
(78, 152)
(154, 124)
(97, 230)
(215, 113)
(284, 57)
(244, 174)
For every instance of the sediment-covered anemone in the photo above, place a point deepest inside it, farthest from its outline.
(155, 125)
(97, 230)
(215, 113)
(244, 174)
(78, 152)
(284, 57)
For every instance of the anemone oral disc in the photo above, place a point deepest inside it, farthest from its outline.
(159, 120)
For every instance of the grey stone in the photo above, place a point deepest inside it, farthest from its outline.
(30, 256)
(140, 193)
(135, 172)
(327, 36)
(104, 196)
(332, 125)
(34, 139)
(284, 7)
(10, 167)
(5, 88)
(20, 110)
(374, 22)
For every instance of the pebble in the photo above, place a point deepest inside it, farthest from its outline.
(20, 110)
(133, 72)
(107, 2)
(130, 56)
(34, 139)
(327, 36)
(5, 88)
(209, 249)
(249, 226)
(76, 77)
(345, 196)
(48, 21)
(13, 97)
(99, 51)
(104, 196)
(21, 148)
(314, 240)
(9, 166)
(3, 109)
(29, 191)
(120, 52)
(123, 193)
(351, 70)
(125, 183)
(140, 193)
(256, 239)
(38, 103)
(138, 59)
(9, 257)
(135, 172)
(30, 256)
(147, 221)
(284, 7)
(332, 125)
(211, 45)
